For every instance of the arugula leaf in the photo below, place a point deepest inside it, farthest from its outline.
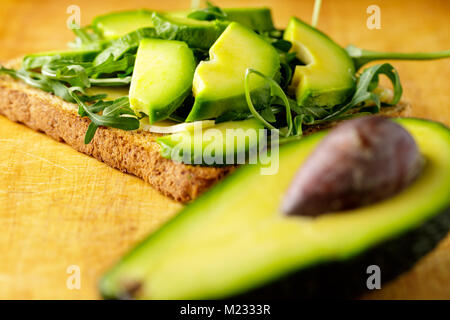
(116, 114)
(282, 45)
(268, 114)
(366, 84)
(90, 133)
(66, 71)
(297, 116)
(86, 39)
(84, 74)
(39, 81)
(211, 12)
(361, 56)
(112, 65)
(35, 61)
(275, 91)
(126, 44)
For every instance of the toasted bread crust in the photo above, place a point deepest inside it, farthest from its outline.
(134, 152)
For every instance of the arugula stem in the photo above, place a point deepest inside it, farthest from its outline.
(362, 56)
(275, 91)
(110, 82)
(284, 140)
(250, 103)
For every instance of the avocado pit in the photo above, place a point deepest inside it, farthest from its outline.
(362, 161)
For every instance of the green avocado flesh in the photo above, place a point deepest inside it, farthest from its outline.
(221, 144)
(328, 76)
(162, 77)
(112, 93)
(259, 19)
(219, 83)
(234, 239)
(196, 33)
(117, 24)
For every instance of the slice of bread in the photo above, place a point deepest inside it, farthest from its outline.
(134, 152)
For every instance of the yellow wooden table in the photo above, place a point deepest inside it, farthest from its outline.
(59, 208)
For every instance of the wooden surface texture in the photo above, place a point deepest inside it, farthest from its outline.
(59, 208)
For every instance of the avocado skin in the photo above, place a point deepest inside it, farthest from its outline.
(347, 279)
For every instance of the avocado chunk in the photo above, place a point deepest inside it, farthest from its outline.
(259, 19)
(219, 83)
(162, 77)
(234, 240)
(117, 24)
(328, 76)
(224, 143)
(196, 33)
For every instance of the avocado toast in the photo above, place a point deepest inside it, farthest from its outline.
(41, 96)
(306, 128)
(139, 155)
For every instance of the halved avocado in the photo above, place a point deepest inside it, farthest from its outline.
(219, 83)
(162, 77)
(234, 240)
(328, 76)
(118, 24)
(196, 33)
(223, 143)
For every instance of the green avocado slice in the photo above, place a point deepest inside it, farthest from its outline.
(219, 83)
(223, 143)
(162, 77)
(328, 76)
(117, 24)
(234, 240)
(258, 19)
